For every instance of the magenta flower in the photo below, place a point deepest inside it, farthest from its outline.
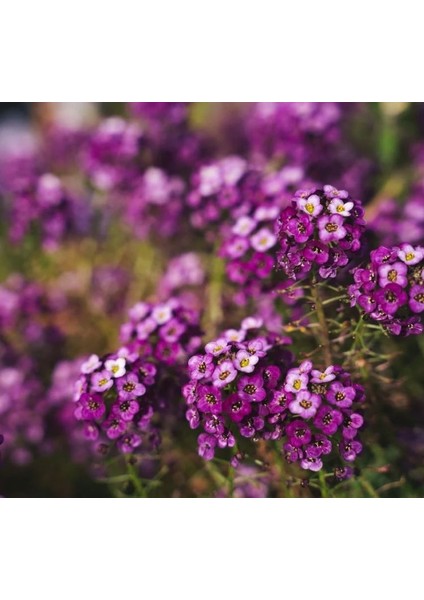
(332, 192)
(328, 420)
(92, 406)
(390, 298)
(251, 388)
(331, 228)
(300, 228)
(305, 404)
(298, 433)
(172, 331)
(129, 387)
(125, 409)
(209, 399)
(340, 396)
(310, 463)
(393, 273)
(349, 449)
(319, 446)
(416, 298)
(114, 426)
(200, 366)
(206, 446)
(101, 381)
(351, 423)
(128, 443)
(224, 374)
(237, 408)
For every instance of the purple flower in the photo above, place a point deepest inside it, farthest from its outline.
(416, 298)
(305, 404)
(193, 417)
(331, 228)
(129, 387)
(128, 443)
(298, 433)
(172, 330)
(200, 366)
(271, 375)
(92, 406)
(349, 449)
(251, 388)
(114, 426)
(219, 346)
(101, 381)
(125, 409)
(280, 401)
(224, 374)
(351, 424)
(310, 463)
(210, 399)
(237, 408)
(328, 420)
(390, 298)
(393, 273)
(245, 362)
(340, 396)
(319, 446)
(206, 446)
(300, 227)
(323, 376)
(295, 381)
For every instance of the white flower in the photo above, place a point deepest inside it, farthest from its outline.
(263, 240)
(116, 367)
(91, 364)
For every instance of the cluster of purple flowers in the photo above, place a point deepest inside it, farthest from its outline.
(155, 204)
(246, 385)
(166, 331)
(44, 204)
(322, 229)
(390, 289)
(113, 400)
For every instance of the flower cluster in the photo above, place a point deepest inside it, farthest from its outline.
(167, 332)
(235, 387)
(113, 400)
(155, 204)
(322, 416)
(390, 289)
(246, 385)
(322, 229)
(46, 205)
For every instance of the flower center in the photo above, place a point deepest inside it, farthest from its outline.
(129, 386)
(124, 406)
(103, 381)
(202, 367)
(340, 208)
(305, 404)
(419, 297)
(244, 362)
(309, 207)
(392, 275)
(327, 419)
(210, 399)
(409, 256)
(297, 384)
(93, 405)
(390, 296)
(331, 227)
(115, 369)
(250, 388)
(236, 406)
(340, 396)
(224, 375)
(300, 433)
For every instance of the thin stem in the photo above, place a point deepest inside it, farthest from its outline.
(323, 334)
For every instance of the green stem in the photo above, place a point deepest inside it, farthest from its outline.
(135, 480)
(323, 485)
(323, 334)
